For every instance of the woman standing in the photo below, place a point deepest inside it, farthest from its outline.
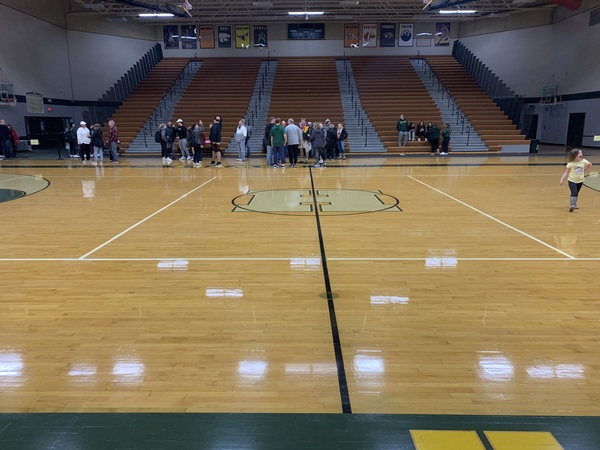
(98, 144)
(342, 134)
(445, 139)
(575, 171)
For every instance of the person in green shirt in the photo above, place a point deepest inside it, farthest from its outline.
(402, 127)
(278, 142)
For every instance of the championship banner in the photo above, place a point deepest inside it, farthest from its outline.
(207, 36)
(189, 39)
(369, 35)
(224, 36)
(442, 34)
(260, 36)
(242, 36)
(171, 36)
(387, 38)
(351, 35)
(405, 35)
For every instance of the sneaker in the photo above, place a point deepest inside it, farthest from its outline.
(240, 160)
(164, 160)
(189, 158)
(94, 163)
(343, 156)
(169, 160)
(198, 165)
(182, 159)
(444, 154)
(212, 163)
(318, 165)
(218, 165)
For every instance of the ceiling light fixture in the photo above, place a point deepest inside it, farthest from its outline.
(306, 13)
(155, 15)
(457, 11)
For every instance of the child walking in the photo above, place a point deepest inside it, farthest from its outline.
(575, 171)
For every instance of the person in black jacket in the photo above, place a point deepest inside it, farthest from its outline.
(342, 135)
(215, 141)
(98, 144)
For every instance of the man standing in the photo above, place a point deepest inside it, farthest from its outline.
(240, 140)
(402, 127)
(278, 141)
(214, 135)
(182, 136)
(293, 138)
(113, 141)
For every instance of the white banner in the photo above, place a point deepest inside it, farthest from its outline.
(405, 35)
(369, 35)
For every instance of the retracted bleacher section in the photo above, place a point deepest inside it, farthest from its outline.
(493, 126)
(306, 87)
(222, 87)
(389, 86)
(140, 105)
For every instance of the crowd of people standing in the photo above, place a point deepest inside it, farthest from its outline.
(408, 131)
(323, 141)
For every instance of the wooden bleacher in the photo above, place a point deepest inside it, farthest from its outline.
(389, 86)
(307, 87)
(492, 125)
(131, 116)
(222, 87)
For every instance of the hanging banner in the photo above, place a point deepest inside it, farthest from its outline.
(405, 35)
(442, 34)
(171, 37)
(224, 36)
(189, 38)
(242, 36)
(207, 36)
(369, 35)
(351, 35)
(260, 36)
(387, 37)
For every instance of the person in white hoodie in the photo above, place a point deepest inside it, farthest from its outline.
(84, 140)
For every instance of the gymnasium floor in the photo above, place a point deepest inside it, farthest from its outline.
(380, 303)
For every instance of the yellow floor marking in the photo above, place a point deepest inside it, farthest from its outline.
(523, 440)
(446, 440)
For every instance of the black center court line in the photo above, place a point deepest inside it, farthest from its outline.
(335, 334)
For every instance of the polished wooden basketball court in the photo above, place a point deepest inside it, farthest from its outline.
(459, 288)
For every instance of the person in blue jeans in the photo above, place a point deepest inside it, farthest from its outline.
(342, 135)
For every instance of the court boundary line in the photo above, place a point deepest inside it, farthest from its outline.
(539, 241)
(329, 258)
(144, 220)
